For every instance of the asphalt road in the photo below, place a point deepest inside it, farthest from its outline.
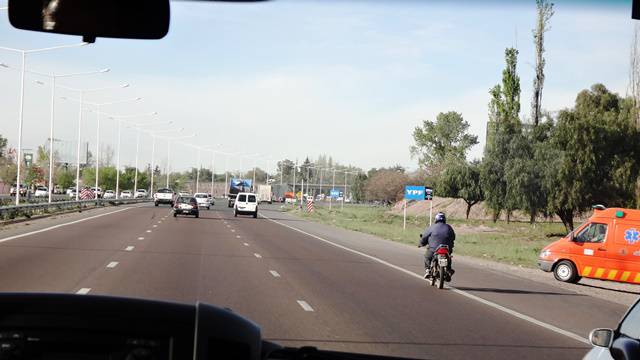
(303, 283)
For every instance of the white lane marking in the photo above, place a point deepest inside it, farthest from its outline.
(61, 225)
(83, 291)
(257, 255)
(233, 230)
(237, 236)
(154, 225)
(160, 222)
(305, 305)
(140, 238)
(112, 264)
(245, 244)
(148, 231)
(274, 273)
(228, 225)
(129, 248)
(457, 291)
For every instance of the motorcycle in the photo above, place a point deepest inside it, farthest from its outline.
(440, 268)
(440, 265)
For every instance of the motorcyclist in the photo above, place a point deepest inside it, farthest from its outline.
(440, 233)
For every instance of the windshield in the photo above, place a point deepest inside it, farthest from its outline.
(322, 140)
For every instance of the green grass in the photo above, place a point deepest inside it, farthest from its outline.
(514, 243)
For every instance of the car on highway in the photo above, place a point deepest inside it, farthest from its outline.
(97, 191)
(126, 194)
(109, 194)
(163, 196)
(41, 191)
(604, 247)
(246, 204)
(203, 200)
(186, 205)
(621, 343)
(69, 190)
(140, 194)
(71, 193)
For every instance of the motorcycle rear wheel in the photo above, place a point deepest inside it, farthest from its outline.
(441, 278)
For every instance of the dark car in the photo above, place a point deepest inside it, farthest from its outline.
(186, 205)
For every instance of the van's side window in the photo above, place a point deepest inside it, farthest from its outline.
(594, 233)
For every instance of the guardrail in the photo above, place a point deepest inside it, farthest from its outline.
(29, 210)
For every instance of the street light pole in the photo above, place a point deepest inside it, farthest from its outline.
(333, 187)
(78, 148)
(344, 195)
(23, 54)
(135, 177)
(198, 172)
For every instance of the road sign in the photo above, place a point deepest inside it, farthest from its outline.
(428, 193)
(334, 193)
(412, 192)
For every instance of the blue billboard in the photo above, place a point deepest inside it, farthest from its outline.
(412, 192)
(334, 193)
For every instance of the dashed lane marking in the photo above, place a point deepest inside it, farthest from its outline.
(245, 244)
(112, 264)
(274, 273)
(148, 231)
(257, 255)
(154, 225)
(496, 306)
(140, 238)
(129, 248)
(83, 291)
(305, 305)
(237, 236)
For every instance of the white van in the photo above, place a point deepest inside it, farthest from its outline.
(246, 204)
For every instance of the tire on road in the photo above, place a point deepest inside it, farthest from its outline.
(440, 278)
(566, 271)
(235, 213)
(175, 214)
(156, 204)
(255, 214)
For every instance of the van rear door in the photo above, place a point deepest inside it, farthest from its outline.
(624, 251)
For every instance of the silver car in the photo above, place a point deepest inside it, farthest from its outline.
(621, 343)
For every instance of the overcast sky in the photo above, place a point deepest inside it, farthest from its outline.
(350, 79)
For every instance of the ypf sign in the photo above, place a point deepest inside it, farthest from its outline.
(414, 192)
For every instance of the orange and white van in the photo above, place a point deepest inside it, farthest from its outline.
(607, 247)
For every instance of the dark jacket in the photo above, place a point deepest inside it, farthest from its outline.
(438, 234)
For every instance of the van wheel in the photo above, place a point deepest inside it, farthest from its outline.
(255, 214)
(235, 214)
(175, 214)
(566, 271)
(156, 204)
(197, 215)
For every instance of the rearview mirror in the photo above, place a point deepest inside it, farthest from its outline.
(137, 19)
(601, 337)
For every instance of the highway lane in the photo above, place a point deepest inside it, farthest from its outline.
(299, 289)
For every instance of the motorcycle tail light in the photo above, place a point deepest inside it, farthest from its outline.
(442, 251)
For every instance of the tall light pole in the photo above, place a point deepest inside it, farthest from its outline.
(53, 78)
(169, 139)
(98, 106)
(333, 187)
(23, 54)
(81, 102)
(138, 127)
(213, 164)
(119, 119)
(153, 153)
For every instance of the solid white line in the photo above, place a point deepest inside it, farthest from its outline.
(457, 291)
(257, 255)
(245, 244)
(129, 248)
(83, 291)
(305, 306)
(140, 238)
(274, 273)
(112, 264)
(61, 225)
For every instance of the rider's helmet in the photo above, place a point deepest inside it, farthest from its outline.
(440, 217)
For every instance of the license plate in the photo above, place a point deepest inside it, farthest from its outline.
(443, 262)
